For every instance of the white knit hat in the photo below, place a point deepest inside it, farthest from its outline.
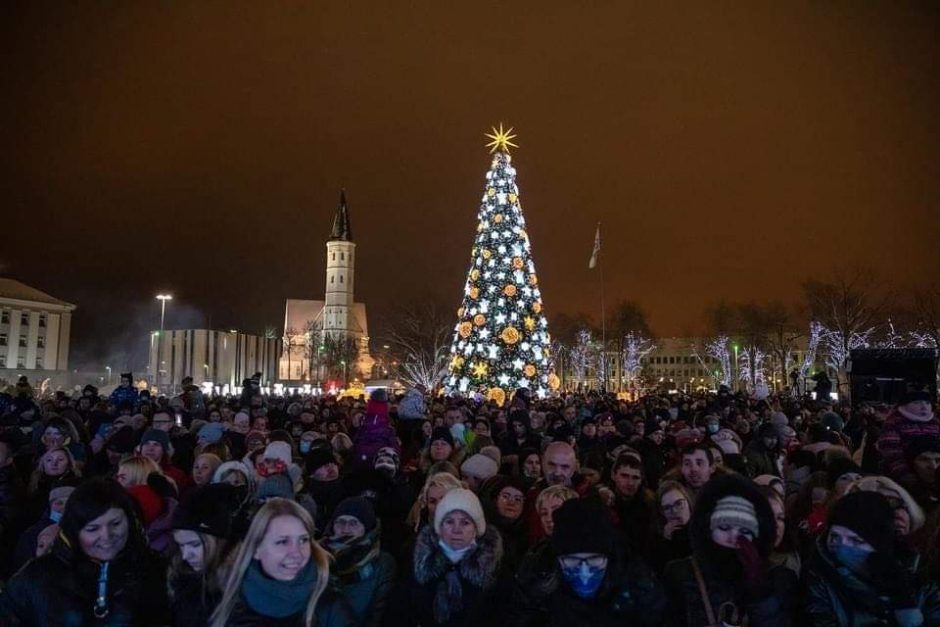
(735, 510)
(479, 466)
(278, 450)
(461, 500)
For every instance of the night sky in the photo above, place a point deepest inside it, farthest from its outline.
(729, 149)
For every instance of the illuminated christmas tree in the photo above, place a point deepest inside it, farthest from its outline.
(501, 340)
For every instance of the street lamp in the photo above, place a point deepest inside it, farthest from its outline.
(737, 372)
(108, 368)
(162, 298)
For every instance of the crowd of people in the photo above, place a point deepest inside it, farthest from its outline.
(428, 510)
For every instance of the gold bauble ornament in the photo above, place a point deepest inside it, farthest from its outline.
(533, 280)
(510, 335)
(487, 253)
(517, 263)
(537, 307)
(553, 381)
(497, 218)
(464, 329)
(474, 274)
(529, 323)
(474, 293)
(490, 191)
(510, 290)
(479, 320)
(460, 311)
(511, 197)
(529, 370)
(497, 395)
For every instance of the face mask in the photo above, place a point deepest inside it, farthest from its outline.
(305, 447)
(584, 580)
(55, 516)
(852, 557)
(455, 555)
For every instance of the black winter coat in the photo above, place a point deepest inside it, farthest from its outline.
(425, 598)
(630, 595)
(59, 590)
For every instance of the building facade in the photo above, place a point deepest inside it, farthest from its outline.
(217, 357)
(315, 327)
(35, 329)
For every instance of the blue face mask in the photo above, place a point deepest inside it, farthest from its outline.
(55, 516)
(851, 557)
(584, 580)
(305, 447)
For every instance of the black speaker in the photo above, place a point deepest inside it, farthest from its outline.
(884, 375)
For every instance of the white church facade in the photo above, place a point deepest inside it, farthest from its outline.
(312, 327)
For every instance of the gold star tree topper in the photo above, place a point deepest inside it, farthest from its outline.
(501, 139)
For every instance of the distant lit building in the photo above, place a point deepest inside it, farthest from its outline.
(34, 330)
(219, 357)
(337, 316)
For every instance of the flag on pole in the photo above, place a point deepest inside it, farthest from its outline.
(597, 248)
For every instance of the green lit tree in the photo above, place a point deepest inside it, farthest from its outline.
(501, 339)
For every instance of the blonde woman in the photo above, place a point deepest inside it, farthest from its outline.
(280, 574)
(548, 501)
(135, 470)
(435, 487)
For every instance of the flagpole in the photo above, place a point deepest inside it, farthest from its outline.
(600, 267)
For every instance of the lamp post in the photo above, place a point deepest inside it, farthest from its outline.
(162, 298)
(108, 368)
(737, 372)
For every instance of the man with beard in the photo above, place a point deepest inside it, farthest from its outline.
(633, 503)
(697, 467)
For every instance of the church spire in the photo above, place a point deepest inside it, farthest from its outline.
(341, 227)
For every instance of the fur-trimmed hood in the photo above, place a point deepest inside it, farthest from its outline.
(715, 490)
(480, 568)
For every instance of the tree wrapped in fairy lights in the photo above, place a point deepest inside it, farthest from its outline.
(501, 339)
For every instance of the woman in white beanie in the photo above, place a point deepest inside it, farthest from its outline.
(456, 565)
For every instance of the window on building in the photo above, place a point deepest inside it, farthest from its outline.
(41, 341)
(5, 316)
(22, 341)
(21, 362)
(3, 339)
(333, 256)
(341, 278)
(42, 321)
(24, 319)
(342, 256)
(3, 361)
(39, 362)
(331, 278)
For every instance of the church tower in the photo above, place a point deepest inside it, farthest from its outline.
(340, 274)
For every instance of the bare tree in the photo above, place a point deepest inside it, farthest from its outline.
(627, 319)
(636, 347)
(849, 310)
(292, 339)
(420, 338)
